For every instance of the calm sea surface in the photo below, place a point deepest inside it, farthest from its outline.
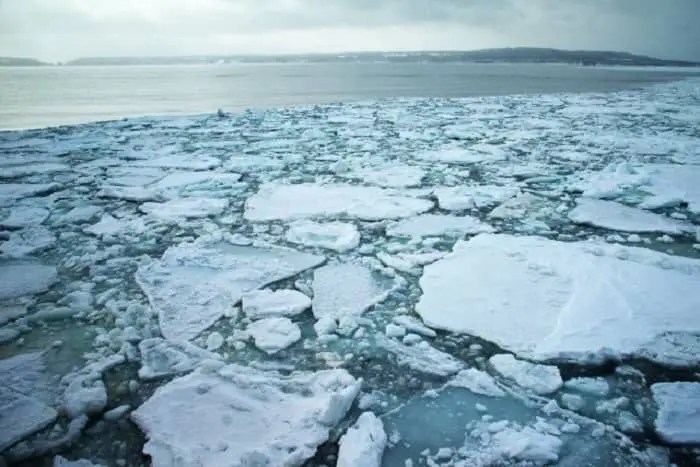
(49, 96)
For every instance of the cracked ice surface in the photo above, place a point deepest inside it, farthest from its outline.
(192, 286)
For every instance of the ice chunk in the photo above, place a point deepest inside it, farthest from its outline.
(458, 155)
(160, 357)
(287, 202)
(338, 236)
(422, 357)
(409, 263)
(574, 300)
(345, 289)
(435, 225)
(526, 444)
(679, 412)
(672, 184)
(108, 226)
(86, 393)
(22, 416)
(193, 285)
(541, 379)
(10, 192)
(478, 382)
(274, 334)
(25, 216)
(27, 241)
(593, 386)
(460, 198)
(615, 216)
(173, 161)
(128, 193)
(80, 214)
(266, 303)
(363, 444)
(19, 279)
(177, 180)
(414, 325)
(32, 169)
(243, 416)
(184, 208)
(392, 176)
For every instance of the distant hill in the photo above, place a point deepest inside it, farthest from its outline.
(20, 61)
(506, 55)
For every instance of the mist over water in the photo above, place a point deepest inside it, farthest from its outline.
(36, 97)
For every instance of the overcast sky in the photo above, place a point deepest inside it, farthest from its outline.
(62, 29)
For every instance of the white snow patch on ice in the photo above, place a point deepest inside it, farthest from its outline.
(616, 216)
(266, 303)
(274, 334)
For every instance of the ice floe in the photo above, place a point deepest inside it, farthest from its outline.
(25, 278)
(274, 334)
(461, 198)
(566, 300)
(184, 208)
(289, 202)
(541, 379)
(250, 416)
(266, 303)
(192, 286)
(160, 357)
(434, 225)
(363, 444)
(338, 236)
(616, 216)
(678, 411)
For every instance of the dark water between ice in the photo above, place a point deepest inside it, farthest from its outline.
(49, 96)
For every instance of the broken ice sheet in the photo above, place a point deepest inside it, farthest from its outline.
(242, 416)
(18, 279)
(194, 285)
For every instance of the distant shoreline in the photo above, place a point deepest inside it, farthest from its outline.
(503, 55)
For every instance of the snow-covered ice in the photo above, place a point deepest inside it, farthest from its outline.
(274, 334)
(565, 300)
(616, 216)
(242, 416)
(265, 303)
(423, 357)
(461, 198)
(193, 285)
(678, 412)
(160, 357)
(184, 208)
(338, 236)
(363, 444)
(289, 202)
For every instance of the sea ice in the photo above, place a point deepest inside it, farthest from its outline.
(615, 216)
(363, 444)
(24, 278)
(59, 461)
(435, 225)
(422, 357)
(10, 192)
(541, 379)
(274, 334)
(184, 208)
(288, 202)
(20, 417)
(194, 285)
(671, 185)
(27, 241)
(391, 176)
(160, 357)
(243, 416)
(478, 382)
(565, 300)
(338, 236)
(458, 155)
(266, 303)
(679, 412)
(25, 216)
(460, 198)
(345, 290)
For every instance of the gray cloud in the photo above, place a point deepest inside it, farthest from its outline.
(60, 29)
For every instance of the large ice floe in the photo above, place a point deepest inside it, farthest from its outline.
(547, 299)
(239, 416)
(508, 280)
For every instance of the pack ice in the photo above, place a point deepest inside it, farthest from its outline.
(561, 300)
(242, 416)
